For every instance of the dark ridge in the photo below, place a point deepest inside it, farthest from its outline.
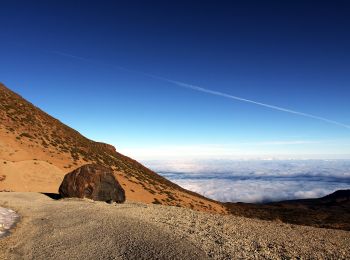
(331, 211)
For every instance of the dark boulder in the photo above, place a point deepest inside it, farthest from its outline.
(92, 181)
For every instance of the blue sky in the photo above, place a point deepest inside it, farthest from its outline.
(65, 57)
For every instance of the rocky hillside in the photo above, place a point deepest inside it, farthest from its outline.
(36, 150)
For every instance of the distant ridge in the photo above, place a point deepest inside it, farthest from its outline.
(338, 196)
(30, 135)
(331, 211)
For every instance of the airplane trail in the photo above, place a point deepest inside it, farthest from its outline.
(212, 92)
(221, 94)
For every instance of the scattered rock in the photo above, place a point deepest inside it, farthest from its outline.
(94, 182)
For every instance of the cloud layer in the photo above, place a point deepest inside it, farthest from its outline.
(258, 181)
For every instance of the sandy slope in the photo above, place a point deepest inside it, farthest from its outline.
(29, 175)
(21, 170)
(41, 176)
(76, 229)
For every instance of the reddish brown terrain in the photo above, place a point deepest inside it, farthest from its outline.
(37, 150)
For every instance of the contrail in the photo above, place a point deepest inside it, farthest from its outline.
(212, 92)
(221, 94)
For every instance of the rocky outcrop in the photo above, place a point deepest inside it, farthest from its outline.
(108, 147)
(92, 181)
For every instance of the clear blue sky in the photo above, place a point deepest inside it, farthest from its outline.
(63, 56)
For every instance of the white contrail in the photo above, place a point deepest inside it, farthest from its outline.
(221, 94)
(213, 92)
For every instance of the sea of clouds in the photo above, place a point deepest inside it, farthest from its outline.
(257, 180)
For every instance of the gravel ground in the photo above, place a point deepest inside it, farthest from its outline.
(83, 229)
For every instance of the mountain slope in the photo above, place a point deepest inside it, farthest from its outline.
(331, 211)
(30, 139)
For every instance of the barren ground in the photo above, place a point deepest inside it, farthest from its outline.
(83, 229)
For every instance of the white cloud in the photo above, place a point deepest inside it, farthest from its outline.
(260, 191)
(257, 180)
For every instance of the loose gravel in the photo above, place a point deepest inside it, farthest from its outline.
(83, 229)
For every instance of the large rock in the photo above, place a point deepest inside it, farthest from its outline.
(92, 181)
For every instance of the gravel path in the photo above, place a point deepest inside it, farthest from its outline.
(82, 229)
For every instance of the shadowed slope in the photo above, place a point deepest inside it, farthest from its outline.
(331, 211)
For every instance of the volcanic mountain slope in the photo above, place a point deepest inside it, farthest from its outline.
(36, 150)
(331, 211)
